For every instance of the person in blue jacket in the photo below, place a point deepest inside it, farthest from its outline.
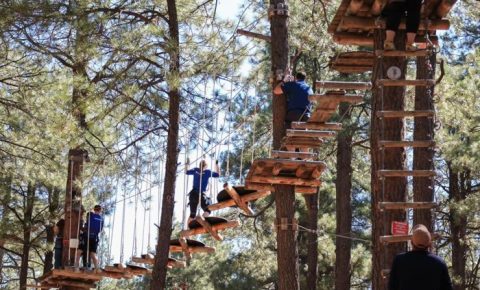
(201, 176)
(92, 229)
(297, 92)
(419, 269)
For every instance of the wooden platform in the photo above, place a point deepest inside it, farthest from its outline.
(284, 171)
(352, 62)
(406, 173)
(57, 278)
(406, 114)
(310, 133)
(210, 225)
(413, 144)
(386, 205)
(246, 196)
(147, 260)
(355, 20)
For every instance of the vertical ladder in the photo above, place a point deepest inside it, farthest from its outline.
(388, 207)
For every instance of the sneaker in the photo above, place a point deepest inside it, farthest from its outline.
(388, 45)
(412, 47)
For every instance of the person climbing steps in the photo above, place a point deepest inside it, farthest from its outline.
(201, 176)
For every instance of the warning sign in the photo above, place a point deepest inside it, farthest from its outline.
(399, 228)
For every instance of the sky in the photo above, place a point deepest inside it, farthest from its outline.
(146, 233)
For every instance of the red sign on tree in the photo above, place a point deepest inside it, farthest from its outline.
(399, 228)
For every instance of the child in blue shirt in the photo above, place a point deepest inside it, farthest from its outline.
(201, 176)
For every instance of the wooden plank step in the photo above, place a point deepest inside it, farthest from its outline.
(310, 133)
(387, 205)
(245, 198)
(401, 83)
(317, 126)
(404, 114)
(293, 154)
(406, 173)
(333, 85)
(189, 246)
(337, 98)
(389, 239)
(414, 144)
(402, 53)
(285, 180)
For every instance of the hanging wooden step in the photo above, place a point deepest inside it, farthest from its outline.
(305, 143)
(148, 259)
(334, 85)
(246, 195)
(138, 270)
(403, 53)
(328, 103)
(389, 239)
(236, 197)
(406, 173)
(298, 189)
(294, 155)
(285, 171)
(310, 133)
(117, 271)
(210, 225)
(402, 83)
(317, 126)
(335, 98)
(388, 205)
(188, 247)
(413, 144)
(174, 263)
(404, 114)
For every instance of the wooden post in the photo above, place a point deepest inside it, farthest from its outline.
(287, 252)
(392, 188)
(73, 204)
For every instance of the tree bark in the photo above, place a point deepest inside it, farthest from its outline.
(29, 201)
(458, 226)
(391, 188)
(5, 197)
(423, 188)
(311, 201)
(287, 252)
(53, 208)
(161, 258)
(343, 185)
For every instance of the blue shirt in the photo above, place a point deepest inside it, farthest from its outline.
(94, 224)
(204, 177)
(297, 93)
(419, 270)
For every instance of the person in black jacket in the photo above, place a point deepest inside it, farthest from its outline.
(419, 269)
(394, 12)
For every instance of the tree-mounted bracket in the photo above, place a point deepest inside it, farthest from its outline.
(280, 10)
(286, 224)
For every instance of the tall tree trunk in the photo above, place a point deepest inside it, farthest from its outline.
(161, 258)
(343, 186)
(392, 188)
(458, 227)
(423, 188)
(29, 202)
(311, 201)
(53, 207)
(5, 197)
(287, 251)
